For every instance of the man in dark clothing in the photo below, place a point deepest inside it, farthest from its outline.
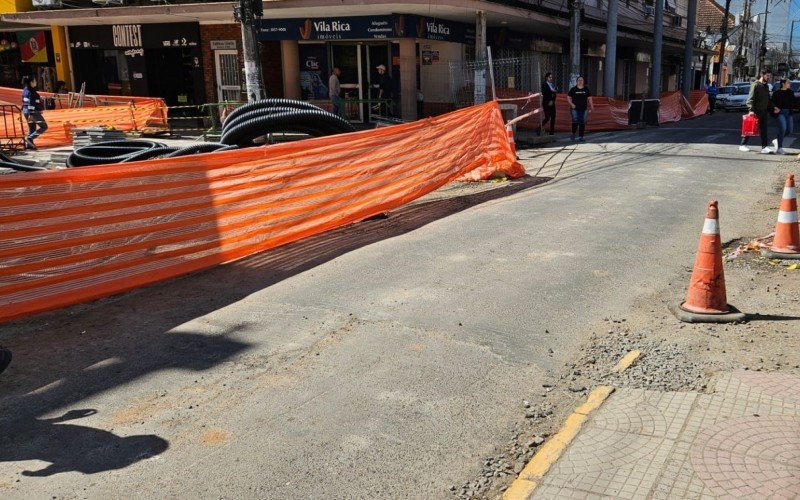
(760, 106)
(549, 102)
(385, 89)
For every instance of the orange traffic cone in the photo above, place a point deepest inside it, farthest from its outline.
(706, 300)
(787, 235)
(510, 134)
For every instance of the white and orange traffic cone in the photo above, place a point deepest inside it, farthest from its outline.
(510, 135)
(706, 299)
(786, 244)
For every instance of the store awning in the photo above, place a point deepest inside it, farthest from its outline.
(497, 15)
(9, 26)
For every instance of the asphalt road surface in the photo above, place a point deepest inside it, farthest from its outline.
(381, 360)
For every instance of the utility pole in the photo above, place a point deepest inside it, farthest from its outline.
(789, 59)
(745, 22)
(610, 64)
(658, 44)
(575, 42)
(249, 13)
(762, 51)
(480, 57)
(723, 41)
(688, 51)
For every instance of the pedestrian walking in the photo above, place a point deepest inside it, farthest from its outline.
(335, 91)
(783, 100)
(32, 107)
(549, 103)
(760, 106)
(385, 90)
(711, 91)
(580, 103)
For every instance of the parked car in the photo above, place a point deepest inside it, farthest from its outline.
(723, 94)
(736, 99)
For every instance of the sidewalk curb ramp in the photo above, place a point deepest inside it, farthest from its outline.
(706, 299)
(551, 451)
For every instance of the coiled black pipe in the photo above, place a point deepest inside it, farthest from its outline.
(109, 152)
(242, 127)
(200, 147)
(149, 154)
(311, 122)
(10, 166)
(271, 103)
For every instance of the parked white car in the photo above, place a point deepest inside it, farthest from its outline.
(736, 99)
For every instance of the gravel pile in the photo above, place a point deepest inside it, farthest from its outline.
(508, 464)
(665, 365)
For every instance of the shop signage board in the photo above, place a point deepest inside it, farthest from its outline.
(329, 28)
(134, 36)
(367, 28)
(223, 44)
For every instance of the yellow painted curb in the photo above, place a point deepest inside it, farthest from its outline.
(526, 482)
(595, 399)
(520, 489)
(626, 361)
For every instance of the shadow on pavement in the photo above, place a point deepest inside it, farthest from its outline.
(70, 447)
(64, 357)
(771, 317)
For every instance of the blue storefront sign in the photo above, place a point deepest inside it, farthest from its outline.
(329, 28)
(367, 28)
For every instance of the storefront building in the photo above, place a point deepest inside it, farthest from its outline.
(409, 46)
(27, 52)
(162, 60)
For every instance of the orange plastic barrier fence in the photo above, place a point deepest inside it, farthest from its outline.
(60, 122)
(122, 112)
(612, 114)
(79, 234)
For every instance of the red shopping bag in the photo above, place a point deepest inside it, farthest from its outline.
(749, 126)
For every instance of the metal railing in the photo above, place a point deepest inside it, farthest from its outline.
(15, 129)
(208, 118)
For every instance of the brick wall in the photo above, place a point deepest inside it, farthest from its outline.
(209, 32)
(270, 59)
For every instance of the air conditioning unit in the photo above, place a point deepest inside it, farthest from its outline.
(648, 10)
(47, 4)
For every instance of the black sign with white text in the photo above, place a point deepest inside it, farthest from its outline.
(134, 36)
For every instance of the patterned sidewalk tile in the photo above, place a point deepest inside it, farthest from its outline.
(750, 457)
(774, 389)
(678, 478)
(551, 492)
(649, 413)
(609, 463)
(742, 441)
(715, 409)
